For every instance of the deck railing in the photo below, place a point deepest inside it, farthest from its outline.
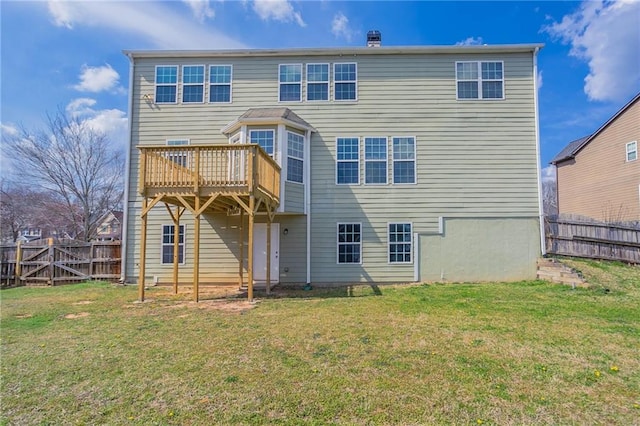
(233, 167)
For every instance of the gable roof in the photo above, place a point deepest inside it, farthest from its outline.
(279, 115)
(570, 151)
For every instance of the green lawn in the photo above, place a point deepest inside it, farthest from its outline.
(521, 353)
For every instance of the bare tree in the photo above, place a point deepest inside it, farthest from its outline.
(549, 191)
(77, 163)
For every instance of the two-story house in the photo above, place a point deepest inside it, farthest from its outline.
(598, 176)
(345, 165)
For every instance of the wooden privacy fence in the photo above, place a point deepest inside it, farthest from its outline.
(59, 263)
(594, 240)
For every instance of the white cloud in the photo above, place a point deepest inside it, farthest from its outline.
(340, 27)
(8, 130)
(112, 122)
(606, 35)
(470, 41)
(201, 9)
(278, 10)
(548, 174)
(157, 22)
(98, 79)
(539, 79)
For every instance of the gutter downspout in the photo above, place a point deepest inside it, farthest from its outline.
(543, 247)
(307, 205)
(127, 172)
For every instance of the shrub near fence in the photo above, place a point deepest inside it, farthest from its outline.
(591, 239)
(59, 263)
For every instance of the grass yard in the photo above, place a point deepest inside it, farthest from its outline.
(527, 353)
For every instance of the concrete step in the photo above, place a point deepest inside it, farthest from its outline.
(555, 271)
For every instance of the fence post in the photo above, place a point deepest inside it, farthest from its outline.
(51, 262)
(18, 269)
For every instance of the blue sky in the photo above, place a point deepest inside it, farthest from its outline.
(60, 54)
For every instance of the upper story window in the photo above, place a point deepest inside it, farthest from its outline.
(345, 82)
(317, 82)
(264, 138)
(404, 160)
(192, 84)
(632, 151)
(290, 82)
(220, 83)
(166, 84)
(348, 161)
(375, 160)
(295, 157)
(480, 80)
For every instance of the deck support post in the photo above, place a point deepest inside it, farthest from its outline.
(252, 203)
(196, 252)
(241, 249)
(143, 249)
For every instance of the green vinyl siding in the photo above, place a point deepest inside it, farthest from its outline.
(474, 158)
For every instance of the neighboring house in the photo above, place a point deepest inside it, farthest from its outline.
(28, 234)
(369, 165)
(110, 226)
(598, 176)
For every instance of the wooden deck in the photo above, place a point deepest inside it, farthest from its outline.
(234, 178)
(231, 173)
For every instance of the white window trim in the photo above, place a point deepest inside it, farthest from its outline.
(328, 82)
(280, 83)
(338, 243)
(297, 158)
(345, 81)
(386, 160)
(230, 84)
(633, 144)
(415, 161)
(273, 132)
(173, 157)
(389, 243)
(184, 244)
(479, 80)
(155, 84)
(204, 80)
(357, 161)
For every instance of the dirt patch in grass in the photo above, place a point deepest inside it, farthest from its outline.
(83, 302)
(23, 316)
(76, 316)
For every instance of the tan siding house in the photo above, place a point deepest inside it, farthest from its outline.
(599, 176)
(379, 164)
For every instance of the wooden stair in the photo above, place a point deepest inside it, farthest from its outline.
(555, 271)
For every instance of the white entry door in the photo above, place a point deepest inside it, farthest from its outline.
(260, 252)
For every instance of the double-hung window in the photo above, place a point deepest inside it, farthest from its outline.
(166, 84)
(347, 161)
(317, 82)
(480, 80)
(168, 239)
(295, 157)
(404, 160)
(345, 82)
(178, 156)
(349, 243)
(632, 151)
(264, 138)
(220, 83)
(290, 82)
(375, 160)
(192, 84)
(400, 243)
